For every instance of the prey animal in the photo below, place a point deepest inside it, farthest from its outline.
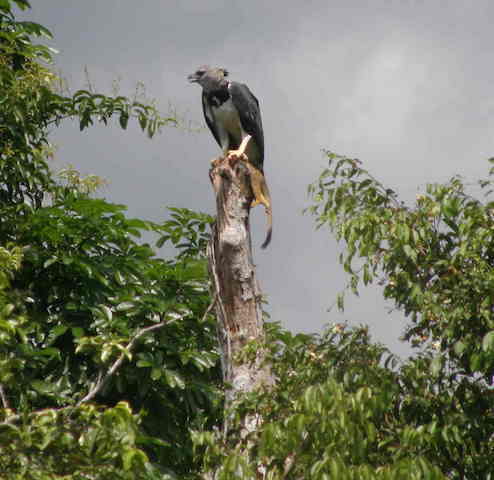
(232, 114)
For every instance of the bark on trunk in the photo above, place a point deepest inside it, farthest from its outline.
(235, 286)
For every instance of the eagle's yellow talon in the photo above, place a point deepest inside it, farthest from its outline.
(236, 155)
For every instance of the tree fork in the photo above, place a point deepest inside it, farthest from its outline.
(234, 282)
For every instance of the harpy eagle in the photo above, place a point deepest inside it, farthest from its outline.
(232, 114)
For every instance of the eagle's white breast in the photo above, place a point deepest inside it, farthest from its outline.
(227, 116)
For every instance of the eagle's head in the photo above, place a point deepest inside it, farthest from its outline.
(209, 78)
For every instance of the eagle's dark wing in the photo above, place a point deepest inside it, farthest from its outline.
(209, 117)
(247, 106)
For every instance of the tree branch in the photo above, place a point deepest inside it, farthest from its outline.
(3, 397)
(210, 307)
(103, 380)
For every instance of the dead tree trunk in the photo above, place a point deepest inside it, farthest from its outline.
(235, 286)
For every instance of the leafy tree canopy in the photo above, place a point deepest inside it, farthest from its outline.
(106, 355)
(344, 407)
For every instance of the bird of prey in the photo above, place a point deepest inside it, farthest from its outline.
(232, 114)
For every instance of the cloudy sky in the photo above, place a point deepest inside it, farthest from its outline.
(404, 85)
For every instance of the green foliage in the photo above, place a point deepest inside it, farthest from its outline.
(186, 230)
(30, 106)
(107, 358)
(345, 408)
(337, 412)
(87, 442)
(435, 261)
(85, 289)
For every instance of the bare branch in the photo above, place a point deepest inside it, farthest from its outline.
(210, 307)
(103, 380)
(3, 397)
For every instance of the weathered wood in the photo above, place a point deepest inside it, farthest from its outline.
(235, 286)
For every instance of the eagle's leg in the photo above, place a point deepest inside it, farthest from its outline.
(258, 182)
(239, 154)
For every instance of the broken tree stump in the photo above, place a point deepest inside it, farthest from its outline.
(234, 282)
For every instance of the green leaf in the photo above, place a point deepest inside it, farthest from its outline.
(460, 347)
(56, 332)
(50, 261)
(35, 29)
(340, 302)
(488, 342)
(42, 387)
(107, 312)
(78, 332)
(475, 362)
(124, 120)
(173, 379)
(119, 278)
(144, 364)
(436, 365)
(124, 306)
(143, 122)
(5, 5)
(200, 362)
(127, 458)
(23, 4)
(410, 252)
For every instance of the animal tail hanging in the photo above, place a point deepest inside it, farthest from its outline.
(262, 196)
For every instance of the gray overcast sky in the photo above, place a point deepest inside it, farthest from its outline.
(403, 85)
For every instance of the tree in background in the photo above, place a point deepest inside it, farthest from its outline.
(107, 354)
(435, 260)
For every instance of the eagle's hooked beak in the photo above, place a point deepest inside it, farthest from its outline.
(193, 78)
